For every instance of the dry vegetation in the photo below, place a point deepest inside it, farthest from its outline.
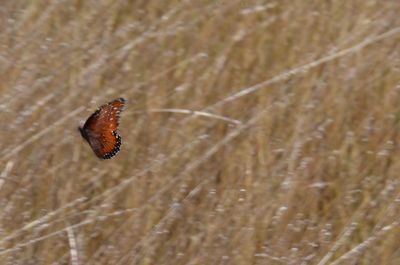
(291, 158)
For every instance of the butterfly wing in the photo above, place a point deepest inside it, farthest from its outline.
(100, 129)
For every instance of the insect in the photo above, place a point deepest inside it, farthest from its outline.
(100, 129)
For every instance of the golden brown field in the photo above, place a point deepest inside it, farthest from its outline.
(256, 132)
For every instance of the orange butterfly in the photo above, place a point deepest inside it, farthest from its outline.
(100, 129)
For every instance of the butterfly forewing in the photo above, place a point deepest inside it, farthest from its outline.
(100, 129)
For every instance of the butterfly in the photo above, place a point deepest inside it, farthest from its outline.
(100, 129)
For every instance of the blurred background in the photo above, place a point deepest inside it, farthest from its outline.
(256, 132)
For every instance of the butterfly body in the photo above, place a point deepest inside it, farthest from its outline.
(100, 129)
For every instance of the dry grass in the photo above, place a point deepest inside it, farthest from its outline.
(257, 132)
